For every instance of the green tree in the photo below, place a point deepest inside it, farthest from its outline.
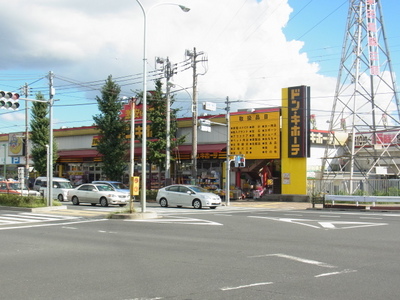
(113, 130)
(157, 103)
(40, 127)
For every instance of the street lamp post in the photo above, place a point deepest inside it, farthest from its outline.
(5, 161)
(144, 119)
(132, 154)
(168, 137)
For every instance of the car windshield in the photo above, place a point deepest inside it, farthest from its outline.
(199, 189)
(65, 185)
(104, 187)
(120, 185)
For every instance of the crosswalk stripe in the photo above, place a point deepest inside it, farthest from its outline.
(7, 219)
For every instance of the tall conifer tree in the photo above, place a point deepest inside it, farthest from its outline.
(40, 126)
(113, 130)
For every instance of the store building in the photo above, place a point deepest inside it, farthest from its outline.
(79, 161)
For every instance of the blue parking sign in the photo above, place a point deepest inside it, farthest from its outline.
(15, 160)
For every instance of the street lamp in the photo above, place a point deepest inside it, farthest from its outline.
(144, 119)
(5, 161)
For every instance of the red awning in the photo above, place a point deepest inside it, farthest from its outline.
(79, 153)
(202, 148)
(138, 150)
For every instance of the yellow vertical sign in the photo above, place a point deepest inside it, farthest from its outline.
(294, 169)
(135, 182)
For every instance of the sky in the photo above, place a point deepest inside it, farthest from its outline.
(250, 49)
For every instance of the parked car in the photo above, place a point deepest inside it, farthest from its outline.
(14, 187)
(102, 194)
(187, 195)
(61, 186)
(118, 186)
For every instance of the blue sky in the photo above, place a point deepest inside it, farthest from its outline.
(254, 49)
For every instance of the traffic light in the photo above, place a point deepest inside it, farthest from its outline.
(9, 100)
(240, 161)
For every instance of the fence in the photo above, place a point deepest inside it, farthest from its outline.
(361, 187)
(363, 199)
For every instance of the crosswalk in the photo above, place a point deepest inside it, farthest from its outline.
(25, 218)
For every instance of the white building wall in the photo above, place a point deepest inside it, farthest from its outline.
(74, 142)
(218, 135)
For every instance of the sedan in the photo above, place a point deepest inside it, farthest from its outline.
(102, 194)
(187, 195)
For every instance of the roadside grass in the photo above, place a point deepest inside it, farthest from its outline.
(122, 210)
(24, 201)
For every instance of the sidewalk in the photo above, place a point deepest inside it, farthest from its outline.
(271, 204)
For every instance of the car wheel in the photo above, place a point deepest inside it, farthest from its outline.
(60, 198)
(197, 204)
(213, 207)
(103, 202)
(75, 200)
(164, 202)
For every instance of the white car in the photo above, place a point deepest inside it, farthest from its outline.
(102, 194)
(187, 195)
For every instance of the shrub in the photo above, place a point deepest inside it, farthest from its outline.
(392, 191)
(24, 201)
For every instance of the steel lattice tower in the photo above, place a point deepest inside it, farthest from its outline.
(365, 123)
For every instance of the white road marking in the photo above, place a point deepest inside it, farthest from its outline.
(324, 224)
(327, 225)
(298, 259)
(245, 286)
(371, 218)
(186, 221)
(289, 221)
(51, 224)
(335, 273)
(31, 218)
(348, 225)
(294, 215)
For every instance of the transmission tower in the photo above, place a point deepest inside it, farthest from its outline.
(365, 124)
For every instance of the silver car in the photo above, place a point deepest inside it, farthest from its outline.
(187, 195)
(102, 194)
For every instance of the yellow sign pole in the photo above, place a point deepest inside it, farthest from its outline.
(134, 190)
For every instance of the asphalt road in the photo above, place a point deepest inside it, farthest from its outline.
(227, 253)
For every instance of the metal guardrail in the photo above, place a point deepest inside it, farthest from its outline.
(363, 199)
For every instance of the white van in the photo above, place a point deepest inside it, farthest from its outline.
(61, 186)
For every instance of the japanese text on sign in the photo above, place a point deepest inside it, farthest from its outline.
(298, 114)
(256, 135)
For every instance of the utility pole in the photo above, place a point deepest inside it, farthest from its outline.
(50, 157)
(5, 162)
(228, 152)
(169, 71)
(210, 107)
(25, 92)
(193, 56)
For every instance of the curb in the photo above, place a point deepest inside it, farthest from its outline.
(136, 216)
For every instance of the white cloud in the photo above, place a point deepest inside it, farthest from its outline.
(249, 57)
